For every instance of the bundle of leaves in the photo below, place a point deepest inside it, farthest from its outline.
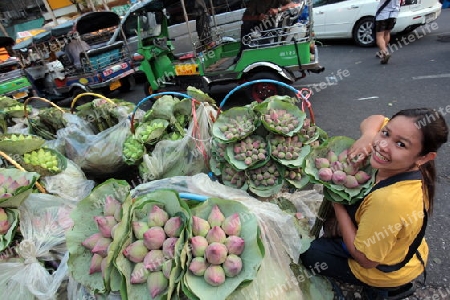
(328, 165)
(95, 239)
(12, 108)
(47, 122)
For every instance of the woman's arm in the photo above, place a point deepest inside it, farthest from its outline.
(348, 231)
(362, 147)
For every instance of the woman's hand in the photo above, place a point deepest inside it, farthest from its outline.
(360, 150)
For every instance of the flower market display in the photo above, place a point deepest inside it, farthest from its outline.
(181, 201)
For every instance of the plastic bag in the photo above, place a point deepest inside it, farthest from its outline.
(187, 156)
(44, 219)
(70, 184)
(281, 239)
(100, 153)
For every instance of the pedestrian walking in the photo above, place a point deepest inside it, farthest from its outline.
(385, 19)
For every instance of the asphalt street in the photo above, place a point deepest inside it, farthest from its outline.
(354, 85)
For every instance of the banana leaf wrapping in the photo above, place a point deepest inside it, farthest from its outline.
(20, 143)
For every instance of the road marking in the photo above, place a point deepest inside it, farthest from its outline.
(432, 76)
(368, 98)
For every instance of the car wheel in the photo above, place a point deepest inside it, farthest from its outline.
(262, 90)
(364, 33)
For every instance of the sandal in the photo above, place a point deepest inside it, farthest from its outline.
(402, 292)
(384, 60)
(398, 293)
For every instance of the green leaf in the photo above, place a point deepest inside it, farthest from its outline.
(251, 257)
(27, 144)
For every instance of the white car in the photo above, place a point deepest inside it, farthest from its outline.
(337, 19)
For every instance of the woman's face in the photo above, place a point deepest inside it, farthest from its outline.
(396, 147)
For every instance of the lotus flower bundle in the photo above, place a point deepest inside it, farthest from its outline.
(4, 222)
(216, 245)
(15, 186)
(132, 151)
(234, 124)
(232, 176)
(237, 127)
(45, 161)
(250, 150)
(151, 132)
(285, 147)
(281, 120)
(9, 185)
(266, 175)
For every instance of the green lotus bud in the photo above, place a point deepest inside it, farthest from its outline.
(351, 182)
(232, 225)
(216, 234)
(136, 251)
(104, 266)
(349, 169)
(331, 156)
(154, 260)
(342, 157)
(4, 227)
(235, 244)
(157, 217)
(168, 247)
(216, 253)
(3, 215)
(154, 238)
(321, 163)
(157, 283)
(199, 245)
(214, 275)
(90, 242)
(216, 217)
(118, 213)
(167, 268)
(362, 177)
(139, 273)
(139, 228)
(96, 264)
(111, 205)
(200, 226)
(198, 266)
(173, 227)
(325, 174)
(105, 224)
(232, 266)
(101, 247)
(339, 177)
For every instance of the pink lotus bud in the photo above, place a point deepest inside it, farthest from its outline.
(216, 234)
(214, 275)
(332, 157)
(168, 247)
(3, 215)
(154, 260)
(232, 265)
(139, 273)
(111, 205)
(198, 266)
(167, 268)
(349, 169)
(173, 227)
(362, 177)
(339, 177)
(90, 242)
(157, 283)
(216, 217)
(216, 253)
(350, 182)
(198, 244)
(321, 162)
(23, 181)
(325, 174)
(200, 226)
(96, 264)
(342, 157)
(136, 251)
(232, 225)
(4, 227)
(13, 186)
(336, 166)
(235, 244)
(154, 238)
(105, 224)
(139, 228)
(157, 217)
(101, 247)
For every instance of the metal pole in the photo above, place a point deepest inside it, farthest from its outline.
(187, 23)
(3, 29)
(50, 11)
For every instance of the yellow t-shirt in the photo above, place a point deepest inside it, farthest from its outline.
(388, 221)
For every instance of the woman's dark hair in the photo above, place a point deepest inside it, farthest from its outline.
(434, 133)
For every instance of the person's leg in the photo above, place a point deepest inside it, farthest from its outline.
(327, 257)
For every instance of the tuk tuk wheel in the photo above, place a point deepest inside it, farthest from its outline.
(260, 91)
(148, 90)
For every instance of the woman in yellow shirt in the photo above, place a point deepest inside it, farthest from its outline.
(382, 246)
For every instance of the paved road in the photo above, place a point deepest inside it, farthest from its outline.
(354, 85)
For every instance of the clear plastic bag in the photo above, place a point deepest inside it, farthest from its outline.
(43, 223)
(281, 239)
(187, 156)
(100, 153)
